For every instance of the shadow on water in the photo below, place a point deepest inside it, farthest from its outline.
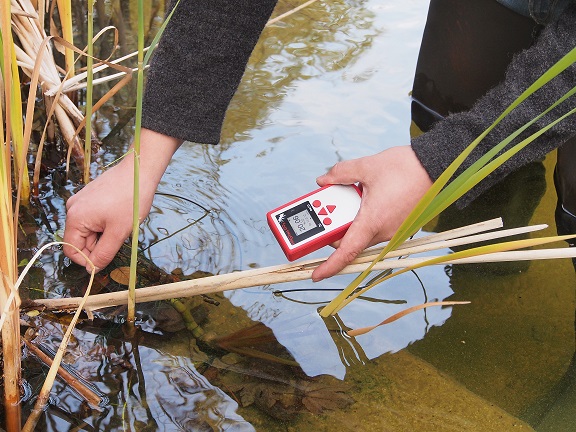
(331, 83)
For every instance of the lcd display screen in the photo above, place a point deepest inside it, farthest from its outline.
(300, 222)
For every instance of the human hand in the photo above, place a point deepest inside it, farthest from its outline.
(99, 216)
(393, 182)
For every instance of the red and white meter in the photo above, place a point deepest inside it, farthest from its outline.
(314, 220)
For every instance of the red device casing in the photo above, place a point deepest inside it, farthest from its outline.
(314, 220)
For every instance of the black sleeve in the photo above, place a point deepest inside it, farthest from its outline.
(198, 65)
(448, 138)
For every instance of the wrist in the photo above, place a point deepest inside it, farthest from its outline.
(156, 151)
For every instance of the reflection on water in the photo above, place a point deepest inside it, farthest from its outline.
(330, 83)
(148, 389)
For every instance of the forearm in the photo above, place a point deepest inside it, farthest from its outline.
(439, 147)
(198, 66)
(156, 151)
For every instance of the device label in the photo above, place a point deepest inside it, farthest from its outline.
(299, 222)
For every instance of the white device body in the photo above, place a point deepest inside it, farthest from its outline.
(314, 220)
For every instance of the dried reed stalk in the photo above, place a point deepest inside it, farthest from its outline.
(290, 12)
(293, 272)
(408, 249)
(11, 357)
(10, 138)
(30, 32)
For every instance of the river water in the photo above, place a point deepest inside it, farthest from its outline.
(330, 83)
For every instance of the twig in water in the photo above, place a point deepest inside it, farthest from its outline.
(92, 398)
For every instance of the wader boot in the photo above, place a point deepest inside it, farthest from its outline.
(466, 48)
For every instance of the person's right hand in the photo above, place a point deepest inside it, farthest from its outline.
(393, 182)
(99, 216)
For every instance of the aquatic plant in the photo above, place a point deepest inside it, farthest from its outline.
(33, 55)
(278, 274)
(444, 192)
(8, 260)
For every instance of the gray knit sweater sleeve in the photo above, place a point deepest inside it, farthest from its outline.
(437, 148)
(198, 66)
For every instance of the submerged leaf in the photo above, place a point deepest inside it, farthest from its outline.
(121, 275)
(283, 400)
(321, 397)
(401, 314)
(257, 341)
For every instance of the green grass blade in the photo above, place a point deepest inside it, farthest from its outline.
(482, 168)
(154, 42)
(482, 173)
(423, 211)
(142, 61)
(89, 90)
(473, 252)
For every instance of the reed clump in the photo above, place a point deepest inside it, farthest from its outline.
(29, 50)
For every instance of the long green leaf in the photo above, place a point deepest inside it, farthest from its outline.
(424, 210)
(473, 252)
(159, 34)
(482, 167)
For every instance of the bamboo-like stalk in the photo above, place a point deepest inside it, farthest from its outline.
(142, 61)
(449, 243)
(455, 233)
(131, 316)
(89, 89)
(8, 257)
(11, 358)
(276, 275)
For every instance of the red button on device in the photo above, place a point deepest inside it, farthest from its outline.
(323, 212)
(327, 221)
(331, 208)
(316, 203)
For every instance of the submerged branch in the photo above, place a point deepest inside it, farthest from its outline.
(92, 398)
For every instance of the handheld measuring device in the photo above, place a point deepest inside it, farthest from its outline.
(314, 220)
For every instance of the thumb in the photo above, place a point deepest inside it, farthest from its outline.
(105, 250)
(360, 235)
(345, 172)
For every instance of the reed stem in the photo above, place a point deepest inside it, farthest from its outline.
(277, 275)
(136, 200)
(89, 90)
(89, 396)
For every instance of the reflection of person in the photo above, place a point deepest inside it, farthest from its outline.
(195, 72)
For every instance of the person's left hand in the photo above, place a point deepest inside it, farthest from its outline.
(393, 182)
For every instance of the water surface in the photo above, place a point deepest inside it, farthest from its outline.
(330, 83)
